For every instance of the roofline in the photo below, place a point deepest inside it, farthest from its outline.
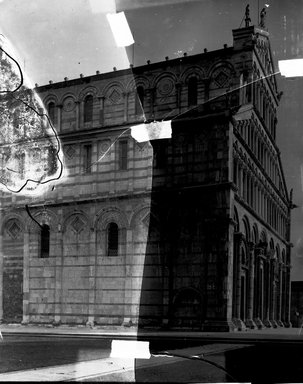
(132, 70)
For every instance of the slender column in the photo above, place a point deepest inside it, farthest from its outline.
(267, 323)
(125, 95)
(81, 118)
(101, 109)
(59, 124)
(272, 316)
(240, 180)
(77, 115)
(249, 321)
(259, 288)
(280, 293)
(287, 297)
(237, 319)
(25, 319)
(131, 297)
(283, 311)
(59, 258)
(92, 278)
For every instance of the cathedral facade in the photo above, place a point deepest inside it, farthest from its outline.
(191, 231)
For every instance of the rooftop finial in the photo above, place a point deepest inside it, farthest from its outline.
(262, 17)
(247, 18)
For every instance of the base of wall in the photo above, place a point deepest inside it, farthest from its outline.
(267, 323)
(219, 326)
(287, 324)
(250, 324)
(274, 323)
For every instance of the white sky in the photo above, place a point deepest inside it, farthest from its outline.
(61, 38)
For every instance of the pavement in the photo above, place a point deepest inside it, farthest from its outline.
(124, 368)
(112, 369)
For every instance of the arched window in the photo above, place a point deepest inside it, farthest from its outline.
(88, 109)
(192, 91)
(51, 111)
(112, 239)
(139, 104)
(44, 241)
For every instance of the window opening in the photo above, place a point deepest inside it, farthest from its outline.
(51, 111)
(112, 239)
(123, 155)
(44, 241)
(88, 109)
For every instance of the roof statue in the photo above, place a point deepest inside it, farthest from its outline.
(262, 18)
(247, 18)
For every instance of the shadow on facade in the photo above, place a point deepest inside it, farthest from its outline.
(185, 268)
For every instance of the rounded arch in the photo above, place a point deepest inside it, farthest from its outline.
(110, 214)
(110, 87)
(246, 228)
(194, 71)
(43, 216)
(218, 65)
(78, 219)
(139, 215)
(183, 290)
(139, 81)
(67, 95)
(164, 76)
(51, 98)
(90, 90)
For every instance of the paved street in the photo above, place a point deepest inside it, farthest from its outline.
(81, 354)
(55, 359)
(27, 352)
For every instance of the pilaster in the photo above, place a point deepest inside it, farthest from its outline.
(59, 264)
(92, 278)
(101, 109)
(25, 319)
(59, 123)
(77, 115)
(249, 321)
